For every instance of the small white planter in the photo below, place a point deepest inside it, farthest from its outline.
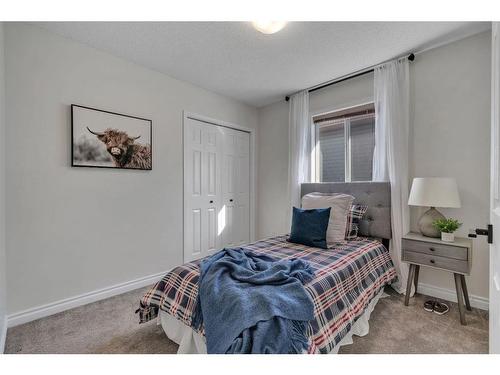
(447, 237)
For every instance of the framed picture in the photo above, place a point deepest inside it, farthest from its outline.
(104, 139)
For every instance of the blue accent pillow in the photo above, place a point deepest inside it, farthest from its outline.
(309, 227)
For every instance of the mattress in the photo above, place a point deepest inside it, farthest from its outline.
(191, 342)
(347, 278)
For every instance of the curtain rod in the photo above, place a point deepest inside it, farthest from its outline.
(359, 73)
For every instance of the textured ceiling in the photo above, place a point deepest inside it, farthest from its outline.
(233, 59)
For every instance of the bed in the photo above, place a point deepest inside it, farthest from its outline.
(349, 278)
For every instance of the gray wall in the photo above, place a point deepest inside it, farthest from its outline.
(3, 280)
(450, 114)
(450, 136)
(272, 171)
(76, 230)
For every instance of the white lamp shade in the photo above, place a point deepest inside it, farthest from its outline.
(434, 192)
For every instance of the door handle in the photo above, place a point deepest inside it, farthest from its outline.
(230, 200)
(473, 233)
(211, 201)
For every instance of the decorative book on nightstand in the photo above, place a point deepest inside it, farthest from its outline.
(454, 257)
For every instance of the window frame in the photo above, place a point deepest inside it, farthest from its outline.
(316, 163)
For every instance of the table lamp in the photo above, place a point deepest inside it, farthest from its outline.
(433, 192)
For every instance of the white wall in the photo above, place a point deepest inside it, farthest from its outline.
(75, 230)
(450, 137)
(3, 280)
(343, 95)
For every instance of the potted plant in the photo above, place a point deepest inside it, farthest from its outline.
(447, 227)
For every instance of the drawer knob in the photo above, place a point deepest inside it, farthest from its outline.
(433, 261)
(431, 249)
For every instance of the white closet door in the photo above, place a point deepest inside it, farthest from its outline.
(202, 188)
(236, 187)
(216, 188)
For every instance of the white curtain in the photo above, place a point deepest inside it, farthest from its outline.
(390, 159)
(299, 134)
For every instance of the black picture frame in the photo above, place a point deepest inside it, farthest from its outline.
(148, 122)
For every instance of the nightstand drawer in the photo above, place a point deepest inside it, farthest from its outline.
(449, 264)
(448, 251)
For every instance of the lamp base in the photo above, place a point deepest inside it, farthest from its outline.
(425, 223)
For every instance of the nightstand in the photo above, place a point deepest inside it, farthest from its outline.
(454, 257)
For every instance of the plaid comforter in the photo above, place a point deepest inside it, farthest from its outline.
(347, 278)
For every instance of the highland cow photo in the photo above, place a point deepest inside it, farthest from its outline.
(110, 140)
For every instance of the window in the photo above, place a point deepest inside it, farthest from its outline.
(343, 143)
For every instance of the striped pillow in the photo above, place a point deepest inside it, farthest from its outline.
(354, 215)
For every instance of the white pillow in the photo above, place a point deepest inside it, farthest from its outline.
(340, 205)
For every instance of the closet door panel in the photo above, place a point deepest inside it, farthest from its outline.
(213, 149)
(228, 182)
(197, 232)
(202, 155)
(235, 189)
(212, 175)
(216, 188)
(242, 197)
(212, 230)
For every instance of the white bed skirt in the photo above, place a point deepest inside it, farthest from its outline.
(191, 342)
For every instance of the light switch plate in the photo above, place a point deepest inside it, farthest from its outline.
(496, 281)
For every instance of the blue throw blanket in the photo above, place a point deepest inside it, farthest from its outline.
(251, 303)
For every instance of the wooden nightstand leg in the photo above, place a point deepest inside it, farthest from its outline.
(411, 275)
(466, 294)
(417, 270)
(460, 298)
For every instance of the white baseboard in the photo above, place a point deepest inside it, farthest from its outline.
(451, 295)
(3, 334)
(38, 312)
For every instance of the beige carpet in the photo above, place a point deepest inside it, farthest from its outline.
(110, 326)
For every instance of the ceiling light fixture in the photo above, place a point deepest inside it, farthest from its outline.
(268, 27)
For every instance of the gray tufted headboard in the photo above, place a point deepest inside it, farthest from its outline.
(376, 195)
